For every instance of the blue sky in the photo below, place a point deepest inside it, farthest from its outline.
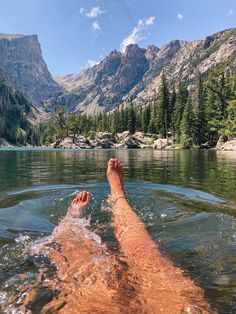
(77, 33)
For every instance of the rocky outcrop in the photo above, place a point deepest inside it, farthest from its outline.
(136, 73)
(106, 140)
(220, 142)
(162, 143)
(151, 53)
(17, 115)
(227, 146)
(71, 143)
(4, 143)
(126, 140)
(103, 86)
(22, 63)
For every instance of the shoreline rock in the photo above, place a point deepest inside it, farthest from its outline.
(163, 143)
(4, 143)
(124, 140)
(229, 145)
(106, 140)
(226, 145)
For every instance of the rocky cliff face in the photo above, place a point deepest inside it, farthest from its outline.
(16, 114)
(22, 63)
(137, 72)
(105, 84)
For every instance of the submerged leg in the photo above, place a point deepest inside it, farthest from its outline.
(82, 281)
(79, 203)
(164, 287)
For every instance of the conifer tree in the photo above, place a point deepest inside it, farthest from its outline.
(115, 121)
(131, 119)
(229, 129)
(201, 122)
(181, 100)
(187, 123)
(146, 116)
(163, 114)
(152, 127)
(122, 119)
(172, 108)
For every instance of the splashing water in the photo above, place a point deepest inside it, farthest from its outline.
(195, 229)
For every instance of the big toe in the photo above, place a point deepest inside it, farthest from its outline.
(111, 164)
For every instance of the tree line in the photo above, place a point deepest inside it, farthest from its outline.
(14, 109)
(196, 115)
(191, 113)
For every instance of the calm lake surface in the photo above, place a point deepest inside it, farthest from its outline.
(187, 199)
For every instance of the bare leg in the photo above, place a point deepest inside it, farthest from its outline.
(84, 277)
(164, 287)
(78, 204)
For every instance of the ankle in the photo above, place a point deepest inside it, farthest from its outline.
(117, 193)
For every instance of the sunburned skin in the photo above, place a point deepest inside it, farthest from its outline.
(91, 279)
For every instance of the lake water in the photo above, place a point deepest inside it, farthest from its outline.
(186, 199)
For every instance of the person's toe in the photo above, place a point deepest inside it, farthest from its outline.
(87, 197)
(119, 166)
(110, 165)
(84, 196)
(79, 197)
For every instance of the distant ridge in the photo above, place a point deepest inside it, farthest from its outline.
(136, 73)
(22, 63)
(10, 36)
(118, 77)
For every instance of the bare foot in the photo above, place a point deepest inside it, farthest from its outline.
(78, 204)
(115, 176)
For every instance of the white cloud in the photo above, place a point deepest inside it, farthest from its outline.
(180, 16)
(149, 21)
(94, 12)
(96, 26)
(91, 63)
(231, 12)
(81, 10)
(136, 35)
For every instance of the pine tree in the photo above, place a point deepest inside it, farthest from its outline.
(122, 119)
(146, 117)
(187, 124)
(229, 129)
(177, 115)
(131, 119)
(163, 109)
(201, 122)
(152, 127)
(115, 121)
(172, 107)
(61, 120)
(139, 115)
(72, 126)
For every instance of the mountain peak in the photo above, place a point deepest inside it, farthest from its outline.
(151, 53)
(22, 63)
(10, 36)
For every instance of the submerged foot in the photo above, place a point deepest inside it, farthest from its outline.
(115, 176)
(79, 203)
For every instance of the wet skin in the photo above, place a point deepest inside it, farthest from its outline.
(91, 279)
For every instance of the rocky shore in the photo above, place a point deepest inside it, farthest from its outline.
(4, 143)
(227, 146)
(124, 140)
(106, 140)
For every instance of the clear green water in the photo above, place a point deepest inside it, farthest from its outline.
(187, 200)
